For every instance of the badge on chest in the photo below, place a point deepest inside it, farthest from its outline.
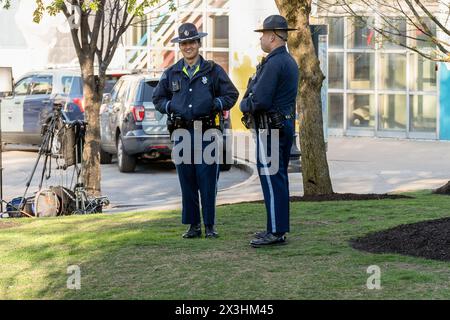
(176, 85)
(204, 80)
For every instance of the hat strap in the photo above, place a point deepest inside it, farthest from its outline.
(274, 31)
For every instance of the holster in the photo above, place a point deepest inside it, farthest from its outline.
(273, 120)
(248, 121)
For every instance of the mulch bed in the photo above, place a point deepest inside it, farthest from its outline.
(342, 197)
(426, 239)
(445, 189)
(350, 197)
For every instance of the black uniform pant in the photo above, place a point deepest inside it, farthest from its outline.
(274, 176)
(198, 183)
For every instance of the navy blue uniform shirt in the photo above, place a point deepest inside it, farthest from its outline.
(274, 85)
(209, 89)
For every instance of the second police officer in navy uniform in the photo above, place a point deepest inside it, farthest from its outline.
(270, 100)
(193, 91)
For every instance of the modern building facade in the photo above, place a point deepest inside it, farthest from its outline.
(375, 88)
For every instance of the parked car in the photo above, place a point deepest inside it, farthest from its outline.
(32, 100)
(131, 127)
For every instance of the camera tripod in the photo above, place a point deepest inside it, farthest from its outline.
(63, 139)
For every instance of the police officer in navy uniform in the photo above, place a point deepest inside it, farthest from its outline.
(270, 100)
(192, 90)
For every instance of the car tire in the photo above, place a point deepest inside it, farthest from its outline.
(105, 157)
(125, 162)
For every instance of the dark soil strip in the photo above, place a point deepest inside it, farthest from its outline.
(342, 197)
(426, 239)
(445, 189)
(350, 197)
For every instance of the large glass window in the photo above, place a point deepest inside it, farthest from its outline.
(423, 113)
(360, 35)
(392, 71)
(335, 32)
(139, 34)
(421, 37)
(398, 73)
(336, 70)
(149, 43)
(361, 110)
(336, 110)
(219, 31)
(395, 33)
(392, 112)
(423, 73)
(361, 70)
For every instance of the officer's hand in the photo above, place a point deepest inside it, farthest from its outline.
(245, 105)
(217, 107)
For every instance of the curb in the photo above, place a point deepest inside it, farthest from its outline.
(246, 166)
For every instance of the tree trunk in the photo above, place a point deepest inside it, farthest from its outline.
(91, 154)
(316, 176)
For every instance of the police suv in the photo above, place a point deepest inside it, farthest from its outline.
(31, 103)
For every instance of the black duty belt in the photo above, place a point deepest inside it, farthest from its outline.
(206, 123)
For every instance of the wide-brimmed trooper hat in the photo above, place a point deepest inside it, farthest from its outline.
(186, 32)
(275, 22)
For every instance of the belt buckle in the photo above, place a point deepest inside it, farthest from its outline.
(198, 124)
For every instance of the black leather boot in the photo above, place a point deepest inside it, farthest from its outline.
(194, 231)
(260, 234)
(210, 231)
(269, 239)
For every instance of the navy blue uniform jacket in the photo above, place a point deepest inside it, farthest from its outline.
(274, 86)
(210, 89)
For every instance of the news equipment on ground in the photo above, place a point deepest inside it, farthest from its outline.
(61, 150)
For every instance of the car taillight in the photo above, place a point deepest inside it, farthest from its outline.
(138, 112)
(80, 103)
(226, 114)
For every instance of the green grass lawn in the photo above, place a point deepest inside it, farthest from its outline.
(142, 255)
